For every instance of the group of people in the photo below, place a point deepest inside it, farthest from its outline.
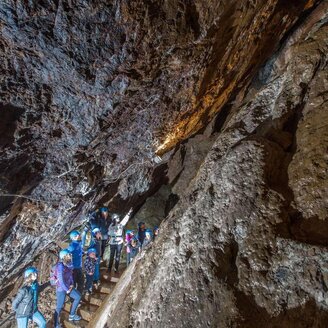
(68, 276)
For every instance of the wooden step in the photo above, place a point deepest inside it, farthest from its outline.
(85, 310)
(95, 299)
(68, 305)
(110, 277)
(72, 324)
(90, 304)
(106, 287)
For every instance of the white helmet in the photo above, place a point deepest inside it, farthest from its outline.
(115, 217)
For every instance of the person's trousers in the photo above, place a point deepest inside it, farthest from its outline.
(37, 317)
(115, 253)
(96, 275)
(88, 282)
(78, 279)
(61, 296)
(128, 258)
(103, 246)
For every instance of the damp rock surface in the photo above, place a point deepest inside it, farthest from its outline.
(95, 98)
(245, 246)
(92, 91)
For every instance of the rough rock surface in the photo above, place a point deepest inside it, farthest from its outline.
(153, 210)
(246, 245)
(91, 90)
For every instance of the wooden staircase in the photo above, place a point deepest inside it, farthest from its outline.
(90, 305)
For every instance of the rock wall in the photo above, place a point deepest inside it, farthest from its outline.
(246, 245)
(93, 91)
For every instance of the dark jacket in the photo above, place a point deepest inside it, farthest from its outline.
(90, 265)
(96, 243)
(134, 250)
(25, 303)
(96, 221)
(141, 235)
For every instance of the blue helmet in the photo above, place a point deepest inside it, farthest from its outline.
(140, 224)
(29, 271)
(63, 253)
(92, 250)
(96, 230)
(103, 209)
(156, 228)
(74, 234)
(148, 231)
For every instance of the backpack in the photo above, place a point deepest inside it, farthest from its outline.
(53, 275)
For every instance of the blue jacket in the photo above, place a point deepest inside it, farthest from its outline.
(75, 247)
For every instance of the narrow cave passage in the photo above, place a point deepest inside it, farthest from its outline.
(163, 163)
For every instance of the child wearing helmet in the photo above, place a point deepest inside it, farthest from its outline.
(155, 232)
(95, 243)
(104, 222)
(148, 238)
(65, 286)
(141, 232)
(90, 268)
(75, 247)
(128, 237)
(25, 303)
(134, 248)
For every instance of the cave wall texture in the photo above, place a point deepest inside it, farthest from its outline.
(246, 246)
(94, 97)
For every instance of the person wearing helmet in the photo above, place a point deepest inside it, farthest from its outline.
(96, 244)
(134, 248)
(98, 219)
(90, 268)
(155, 232)
(128, 237)
(65, 286)
(104, 223)
(148, 238)
(75, 247)
(141, 232)
(115, 233)
(25, 303)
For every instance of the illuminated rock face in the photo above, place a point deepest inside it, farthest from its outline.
(92, 90)
(246, 246)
